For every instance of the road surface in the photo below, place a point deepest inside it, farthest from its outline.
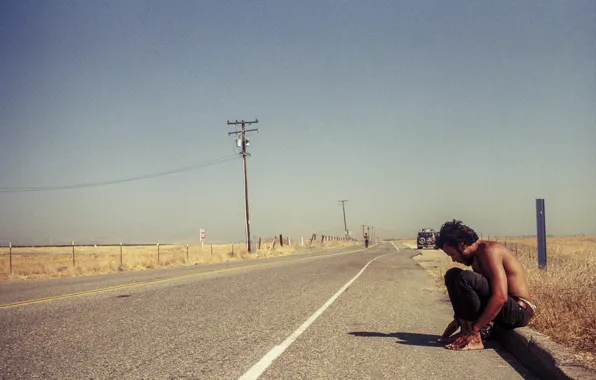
(349, 314)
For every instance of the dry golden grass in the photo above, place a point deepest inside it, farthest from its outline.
(45, 262)
(565, 293)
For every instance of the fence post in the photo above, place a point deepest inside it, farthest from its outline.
(120, 254)
(289, 242)
(187, 253)
(541, 233)
(211, 258)
(10, 253)
(73, 256)
(281, 241)
(157, 253)
(302, 241)
(259, 244)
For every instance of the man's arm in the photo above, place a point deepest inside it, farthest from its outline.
(492, 267)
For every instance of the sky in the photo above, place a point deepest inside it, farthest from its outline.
(415, 112)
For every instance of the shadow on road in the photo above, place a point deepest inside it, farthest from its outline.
(403, 337)
(430, 340)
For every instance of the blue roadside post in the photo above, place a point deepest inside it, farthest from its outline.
(541, 232)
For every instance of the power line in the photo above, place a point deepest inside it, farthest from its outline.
(112, 182)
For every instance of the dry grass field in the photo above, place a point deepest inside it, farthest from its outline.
(44, 262)
(565, 293)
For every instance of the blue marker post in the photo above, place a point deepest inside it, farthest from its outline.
(541, 236)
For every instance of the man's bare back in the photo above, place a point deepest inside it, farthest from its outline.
(516, 279)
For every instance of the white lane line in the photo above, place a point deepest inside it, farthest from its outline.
(395, 246)
(257, 370)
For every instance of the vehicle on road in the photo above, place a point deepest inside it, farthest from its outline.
(426, 238)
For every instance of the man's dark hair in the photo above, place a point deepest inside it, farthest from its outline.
(455, 232)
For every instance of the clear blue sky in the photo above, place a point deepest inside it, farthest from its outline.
(416, 112)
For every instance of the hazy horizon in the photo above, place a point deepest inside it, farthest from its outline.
(415, 113)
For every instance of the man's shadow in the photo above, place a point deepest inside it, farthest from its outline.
(413, 339)
(430, 340)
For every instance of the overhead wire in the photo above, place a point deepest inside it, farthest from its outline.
(116, 181)
(152, 175)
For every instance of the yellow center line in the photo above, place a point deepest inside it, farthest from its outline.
(140, 283)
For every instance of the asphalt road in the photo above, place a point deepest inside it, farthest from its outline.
(316, 316)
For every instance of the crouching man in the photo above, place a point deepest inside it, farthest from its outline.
(495, 291)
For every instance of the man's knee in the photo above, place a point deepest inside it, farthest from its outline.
(468, 275)
(452, 275)
(469, 278)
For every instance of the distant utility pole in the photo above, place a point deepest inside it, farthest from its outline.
(344, 208)
(243, 142)
(363, 225)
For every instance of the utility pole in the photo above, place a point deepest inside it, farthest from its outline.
(243, 142)
(363, 225)
(344, 208)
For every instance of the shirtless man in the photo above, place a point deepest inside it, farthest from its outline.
(495, 291)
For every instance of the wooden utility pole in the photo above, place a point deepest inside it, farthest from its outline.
(243, 142)
(344, 208)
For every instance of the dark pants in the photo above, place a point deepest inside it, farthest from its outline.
(469, 293)
(366, 243)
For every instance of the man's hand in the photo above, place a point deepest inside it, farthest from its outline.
(451, 328)
(469, 341)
